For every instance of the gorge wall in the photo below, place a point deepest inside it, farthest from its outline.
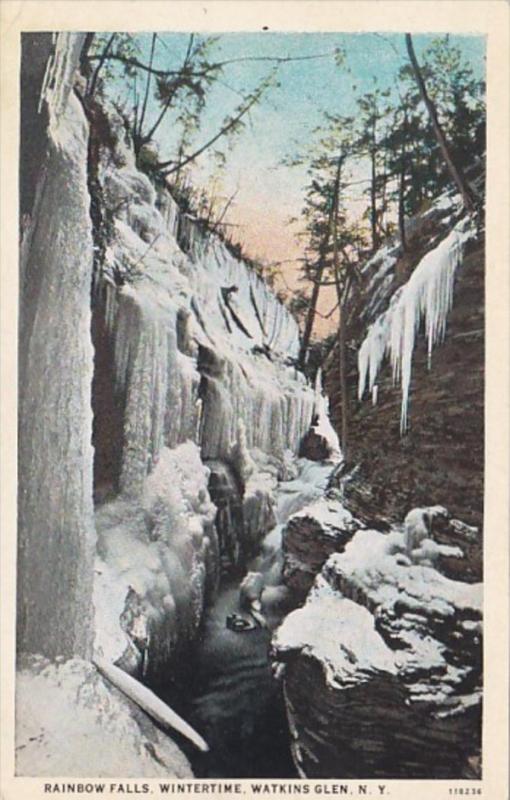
(440, 457)
(153, 365)
(382, 665)
(160, 406)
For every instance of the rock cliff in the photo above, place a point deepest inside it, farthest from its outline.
(382, 667)
(152, 361)
(440, 457)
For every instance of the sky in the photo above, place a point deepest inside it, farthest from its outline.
(284, 122)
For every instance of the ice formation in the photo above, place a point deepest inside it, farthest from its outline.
(323, 426)
(161, 550)
(190, 365)
(427, 296)
(67, 123)
(203, 372)
(55, 374)
(70, 721)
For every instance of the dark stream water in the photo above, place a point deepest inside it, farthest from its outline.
(235, 703)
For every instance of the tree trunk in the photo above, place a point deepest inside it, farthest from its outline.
(401, 209)
(102, 59)
(138, 133)
(373, 202)
(454, 170)
(341, 297)
(342, 362)
(310, 317)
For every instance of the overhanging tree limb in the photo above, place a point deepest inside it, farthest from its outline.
(129, 61)
(148, 136)
(102, 58)
(225, 129)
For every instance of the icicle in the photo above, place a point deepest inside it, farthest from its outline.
(57, 83)
(428, 296)
(148, 702)
(110, 305)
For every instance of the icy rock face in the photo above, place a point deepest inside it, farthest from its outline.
(56, 534)
(427, 295)
(157, 566)
(201, 356)
(191, 334)
(72, 722)
(226, 494)
(310, 537)
(441, 456)
(320, 442)
(245, 510)
(382, 667)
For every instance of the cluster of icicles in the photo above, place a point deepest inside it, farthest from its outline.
(427, 295)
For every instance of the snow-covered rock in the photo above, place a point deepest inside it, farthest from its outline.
(157, 565)
(72, 722)
(310, 536)
(381, 667)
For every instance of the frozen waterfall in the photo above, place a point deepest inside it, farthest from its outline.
(428, 296)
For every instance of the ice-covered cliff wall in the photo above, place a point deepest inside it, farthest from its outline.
(191, 363)
(185, 363)
(199, 341)
(194, 379)
(56, 532)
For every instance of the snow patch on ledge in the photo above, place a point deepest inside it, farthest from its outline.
(72, 722)
(329, 513)
(337, 632)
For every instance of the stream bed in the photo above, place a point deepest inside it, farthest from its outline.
(236, 704)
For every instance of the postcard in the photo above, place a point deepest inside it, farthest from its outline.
(255, 399)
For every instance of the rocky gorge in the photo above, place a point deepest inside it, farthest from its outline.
(169, 445)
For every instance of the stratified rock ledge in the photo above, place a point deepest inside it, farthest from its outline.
(381, 667)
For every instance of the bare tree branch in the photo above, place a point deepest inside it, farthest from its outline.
(218, 65)
(102, 58)
(170, 97)
(228, 126)
(147, 88)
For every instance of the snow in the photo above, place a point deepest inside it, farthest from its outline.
(309, 484)
(225, 376)
(340, 634)
(372, 573)
(372, 609)
(370, 564)
(71, 722)
(329, 513)
(428, 296)
(162, 550)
